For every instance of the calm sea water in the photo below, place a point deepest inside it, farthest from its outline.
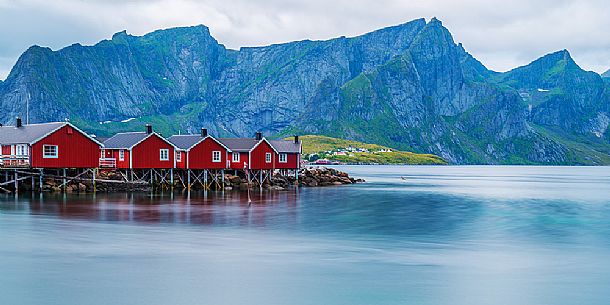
(442, 235)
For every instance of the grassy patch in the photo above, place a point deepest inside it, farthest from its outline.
(321, 145)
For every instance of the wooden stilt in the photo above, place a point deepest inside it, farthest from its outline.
(40, 179)
(16, 181)
(205, 179)
(188, 183)
(64, 180)
(94, 176)
(222, 172)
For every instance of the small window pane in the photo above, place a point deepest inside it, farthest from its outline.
(216, 156)
(164, 154)
(49, 151)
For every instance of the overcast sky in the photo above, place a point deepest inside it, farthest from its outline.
(501, 34)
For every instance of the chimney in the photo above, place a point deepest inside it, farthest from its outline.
(19, 124)
(259, 135)
(204, 132)
(149, 129)
(296, 139)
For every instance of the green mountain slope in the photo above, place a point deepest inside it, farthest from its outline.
(409, 86)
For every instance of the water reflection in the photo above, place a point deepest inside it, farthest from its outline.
(446, 235)
(197, 208)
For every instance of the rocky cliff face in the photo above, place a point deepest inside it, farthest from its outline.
(409, 86)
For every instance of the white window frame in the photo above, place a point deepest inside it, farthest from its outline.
(235, 157)
(163, 154)
(283, 158)
(102, 153)
(216, 157)
(268, 158)
(50, 156)
(121, 155)
(22, 150)
(178, 156)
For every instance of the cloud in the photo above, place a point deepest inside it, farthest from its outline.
(502, 34)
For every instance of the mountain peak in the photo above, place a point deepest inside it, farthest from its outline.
(122, 33)
(435, 21)
(606, 74)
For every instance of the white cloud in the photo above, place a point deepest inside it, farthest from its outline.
(502, 34)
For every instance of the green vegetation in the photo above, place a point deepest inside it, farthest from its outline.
(322, 147)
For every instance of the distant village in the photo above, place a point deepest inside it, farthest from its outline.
(327, 157)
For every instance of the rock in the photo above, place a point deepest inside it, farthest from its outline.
(228, 188)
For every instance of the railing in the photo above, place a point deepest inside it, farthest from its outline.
(10, 161)
(107, 162)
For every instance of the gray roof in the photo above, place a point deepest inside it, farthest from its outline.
(286, 146)
(124, 140)
(27, 134)
(185, 141)
(239, 144)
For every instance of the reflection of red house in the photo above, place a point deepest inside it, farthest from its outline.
(48, 145)
(200, 151)
(138, 150)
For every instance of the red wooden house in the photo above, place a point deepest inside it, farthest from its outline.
(48, 145)
(289, 153)
(200, 151)
(138, 150)
(257, 153)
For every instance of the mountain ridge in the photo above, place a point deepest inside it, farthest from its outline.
(409, 86)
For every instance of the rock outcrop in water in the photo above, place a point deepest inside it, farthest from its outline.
(409, 86)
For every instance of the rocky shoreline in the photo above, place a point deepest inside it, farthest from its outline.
(111, 181)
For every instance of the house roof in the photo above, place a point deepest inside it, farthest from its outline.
(186, 142)
(125, 140)
(27, 133)
(32, 133)
(286, 146)
(239, 144)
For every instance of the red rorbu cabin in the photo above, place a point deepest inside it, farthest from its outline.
(289, 153)
(200, 151)
(250, 153)
(138, 150)
(48, 145)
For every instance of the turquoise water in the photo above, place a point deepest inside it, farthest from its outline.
(442, 235)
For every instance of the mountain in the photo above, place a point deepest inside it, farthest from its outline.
(606, 74)
(409, 87)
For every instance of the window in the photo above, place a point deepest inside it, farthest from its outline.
(163, 154)
(216, 156)
(178, 157)
(50, 151)
(283, 158)
(235, 157)
(121, 155)
(268, 157)
(22, 150)
(102, 153)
